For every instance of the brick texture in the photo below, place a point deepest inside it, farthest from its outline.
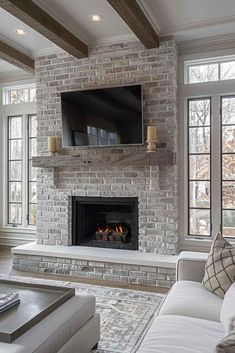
(156, 187)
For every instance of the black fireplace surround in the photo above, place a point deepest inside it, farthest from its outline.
(105, 222)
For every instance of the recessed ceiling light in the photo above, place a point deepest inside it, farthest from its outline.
(20, 32)
(95, 18)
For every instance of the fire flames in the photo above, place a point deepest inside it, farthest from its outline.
(109, 229)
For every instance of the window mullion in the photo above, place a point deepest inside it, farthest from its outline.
(25, 172)
(215, 165)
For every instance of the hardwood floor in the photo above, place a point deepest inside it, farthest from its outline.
(6, 268)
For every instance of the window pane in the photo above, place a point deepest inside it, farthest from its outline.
(199, 140)
(32, 147)
(15, 215)
(227, 70)
(228, 111)
(32, 172)
(228, 195)
(33, 126)
(203, 73)
(32, 214)
(199, 112)
(19, 96)
(199, 167)
(15, 149)
(199, 222)
(32, 192)
(228, 138)
(229, 223)
(32, 95)
(15, 194)
(15, 171)
(229, 166)
(200, 194)
(15, 127)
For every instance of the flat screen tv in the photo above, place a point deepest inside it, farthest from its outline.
(102, 117)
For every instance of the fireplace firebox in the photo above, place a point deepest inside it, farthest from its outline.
(105, 222)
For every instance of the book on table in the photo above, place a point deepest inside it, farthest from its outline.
(8, 300)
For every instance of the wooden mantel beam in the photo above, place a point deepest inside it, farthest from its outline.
(16, 57)
(36, 18)
(135, 18)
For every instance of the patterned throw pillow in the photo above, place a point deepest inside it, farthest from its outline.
(227, 345)
(220, 267)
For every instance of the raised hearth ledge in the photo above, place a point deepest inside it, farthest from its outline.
(97, 254)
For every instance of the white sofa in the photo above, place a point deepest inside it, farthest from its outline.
(189, 319)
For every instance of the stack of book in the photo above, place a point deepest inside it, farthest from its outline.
(8, 300)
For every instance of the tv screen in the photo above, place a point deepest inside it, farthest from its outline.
(102, 117)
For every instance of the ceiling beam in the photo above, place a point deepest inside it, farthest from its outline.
(135, 18)
(16, 57)
(40, 21)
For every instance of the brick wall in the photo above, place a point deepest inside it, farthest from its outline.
(156, 188)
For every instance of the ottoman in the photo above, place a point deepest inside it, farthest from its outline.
(73, 327)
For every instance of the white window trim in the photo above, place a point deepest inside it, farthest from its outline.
(6, 92)
(215, 90)
(23, 109)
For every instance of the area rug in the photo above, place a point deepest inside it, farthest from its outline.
(125, 314)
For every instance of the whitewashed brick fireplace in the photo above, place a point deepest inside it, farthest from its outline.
(86, 172)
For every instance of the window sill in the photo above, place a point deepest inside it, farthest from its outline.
(199, 244)
(9, 229)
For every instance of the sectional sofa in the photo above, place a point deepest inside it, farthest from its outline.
(189, 320)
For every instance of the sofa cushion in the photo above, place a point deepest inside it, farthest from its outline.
(227, 316)
(227, 345)
(50, 334)
(220, 267)
(188, 298)
(181, 334)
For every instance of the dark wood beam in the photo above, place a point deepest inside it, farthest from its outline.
(16, 57)
(40, 21)
(135, 18)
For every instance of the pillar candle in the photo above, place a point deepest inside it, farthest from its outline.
(52, 146)
(151, 133)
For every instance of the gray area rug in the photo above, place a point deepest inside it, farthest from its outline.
(125, 314)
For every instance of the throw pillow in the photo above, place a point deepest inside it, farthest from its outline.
(227, 345)
(227, 315)
(220, 267)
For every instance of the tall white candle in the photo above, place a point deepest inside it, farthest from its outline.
(151, 133)
(52, 145)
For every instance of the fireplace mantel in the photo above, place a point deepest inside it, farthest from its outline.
(162, 156)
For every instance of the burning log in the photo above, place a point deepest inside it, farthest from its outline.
(115, 233)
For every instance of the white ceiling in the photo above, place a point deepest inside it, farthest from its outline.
(187, 20)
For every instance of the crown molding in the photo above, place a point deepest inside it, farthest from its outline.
(209, 44)
(196, 25)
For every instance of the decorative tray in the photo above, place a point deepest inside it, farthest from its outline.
(36, 302)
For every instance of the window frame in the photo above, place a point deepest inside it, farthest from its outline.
(25, 174)
(6, 92)
(212, 60)
(215, 90)
(188, 169)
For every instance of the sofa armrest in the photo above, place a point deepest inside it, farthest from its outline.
(191, 266)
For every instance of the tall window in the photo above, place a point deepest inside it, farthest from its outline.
(199, 181)
(228, 165)
(22, 191)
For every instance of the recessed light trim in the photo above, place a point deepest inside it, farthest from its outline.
(20, 31)
(96, 18)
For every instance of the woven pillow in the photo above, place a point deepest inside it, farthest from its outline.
(220, 267)
(227, 345)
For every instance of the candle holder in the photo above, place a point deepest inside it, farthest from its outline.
(52, 145)
(151, 138)
(151, 146)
